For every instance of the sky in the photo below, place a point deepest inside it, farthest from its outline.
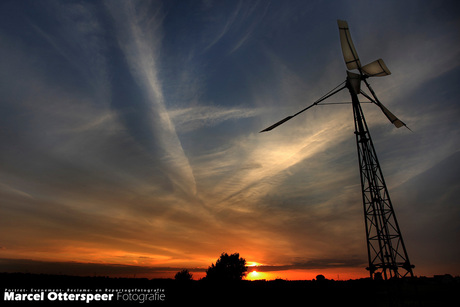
(130, 144)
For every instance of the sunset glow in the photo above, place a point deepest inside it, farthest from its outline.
(254, 276)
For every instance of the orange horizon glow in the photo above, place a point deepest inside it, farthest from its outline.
(255, 270)
(145, 269)
(150, 266)
(303, 274)
(254, 275)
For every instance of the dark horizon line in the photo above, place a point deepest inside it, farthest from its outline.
(50, 275)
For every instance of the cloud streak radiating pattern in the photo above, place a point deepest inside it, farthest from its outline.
(139, 40)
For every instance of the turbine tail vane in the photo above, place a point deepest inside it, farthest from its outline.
(334, 91)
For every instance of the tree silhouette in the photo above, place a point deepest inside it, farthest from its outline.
(183, 275)
(227, 268)
(320, 277)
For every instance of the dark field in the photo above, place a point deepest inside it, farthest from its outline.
(437, 291)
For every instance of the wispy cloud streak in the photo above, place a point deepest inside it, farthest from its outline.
(192, 118)
(139, 36)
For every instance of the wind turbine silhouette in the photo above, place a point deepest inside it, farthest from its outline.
(386, 250)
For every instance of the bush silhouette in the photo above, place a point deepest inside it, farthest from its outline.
(183, 275)
(227, 268)
(320, 277)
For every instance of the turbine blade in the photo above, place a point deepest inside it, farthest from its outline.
(393, 119)
(348, 49)
(376, 69)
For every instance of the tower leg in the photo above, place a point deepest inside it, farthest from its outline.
(387, 253)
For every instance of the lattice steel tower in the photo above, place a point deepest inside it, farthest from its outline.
(385, 246)
(387, 254)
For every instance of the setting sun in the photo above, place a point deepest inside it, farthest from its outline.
(253, 275)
